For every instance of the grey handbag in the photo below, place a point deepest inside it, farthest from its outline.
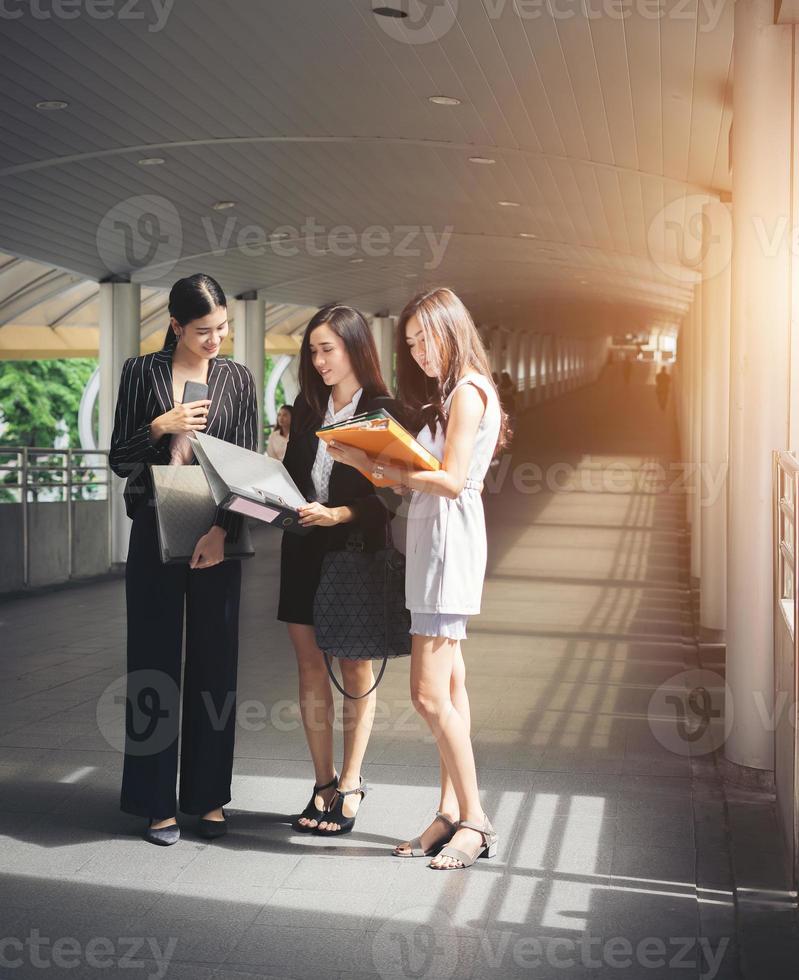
(185, 510)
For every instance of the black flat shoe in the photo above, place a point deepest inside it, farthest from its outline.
(336, 812)
(164, 836)
(311, 812)
(209, 829)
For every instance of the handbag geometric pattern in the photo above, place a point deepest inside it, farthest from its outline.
(359, 607)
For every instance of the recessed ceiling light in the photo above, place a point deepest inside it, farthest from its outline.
(150, 161)
(223, 205)
(508, 204)
(389, 12)
(277, 235)
(51, 105)
(443, 100)
(483, 160)
(527, 234)
(355, 261)
(410, 275)
(583, 282)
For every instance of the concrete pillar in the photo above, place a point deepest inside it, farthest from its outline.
(694, 481)
(552, 366)
(383, 331)
(249, 340)
(762, 157)
(514, 358)
(496, 351)
(535, 368)
(120, 329)
(715, 394)
(526, 354)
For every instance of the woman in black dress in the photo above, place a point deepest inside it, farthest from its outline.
(339, 377)
(152, 426)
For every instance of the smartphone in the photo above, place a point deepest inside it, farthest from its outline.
(194, 391)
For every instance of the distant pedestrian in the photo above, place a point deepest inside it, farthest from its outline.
(662, 385)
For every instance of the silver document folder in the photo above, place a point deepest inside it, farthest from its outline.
(249, 483)
(185, 510)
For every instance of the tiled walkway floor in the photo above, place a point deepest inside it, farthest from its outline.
(617, 847)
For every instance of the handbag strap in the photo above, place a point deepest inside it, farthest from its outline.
(328, 664)
(354, 697)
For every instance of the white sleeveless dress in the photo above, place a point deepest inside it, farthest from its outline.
(446, 546)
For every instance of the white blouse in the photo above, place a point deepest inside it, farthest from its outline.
(323, 464)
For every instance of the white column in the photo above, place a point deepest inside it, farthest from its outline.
(526, 354)
(249, 340)
(715, 414)
(383, 330)
(496, 350)
(120, 329)
(558, 355)
(513, 354)
(552, 366)
(535, 360)
(694, 481)
(762, 156)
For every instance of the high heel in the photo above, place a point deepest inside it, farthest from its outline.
(488, 850)
(312, 812)
(336, 812)
(417, 851)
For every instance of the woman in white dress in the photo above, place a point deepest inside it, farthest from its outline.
(279, 436)
(444, 377)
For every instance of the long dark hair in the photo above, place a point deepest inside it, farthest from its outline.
(451, 338)
(191, 298)
(351, 326)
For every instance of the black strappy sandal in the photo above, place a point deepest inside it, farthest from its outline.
(311, 812)
(336, 813)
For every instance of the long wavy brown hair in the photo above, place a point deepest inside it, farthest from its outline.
(350, 325)
(453, 342)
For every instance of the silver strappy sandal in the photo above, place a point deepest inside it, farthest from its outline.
(417, 851)
(488, 850)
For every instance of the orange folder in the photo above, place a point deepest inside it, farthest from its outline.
(384, 439)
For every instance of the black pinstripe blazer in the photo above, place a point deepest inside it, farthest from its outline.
(145, 392)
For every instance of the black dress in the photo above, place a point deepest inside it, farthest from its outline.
(301, 555)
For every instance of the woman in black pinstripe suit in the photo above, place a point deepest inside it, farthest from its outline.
(152, 426)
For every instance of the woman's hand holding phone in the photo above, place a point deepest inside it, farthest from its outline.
(188, 417)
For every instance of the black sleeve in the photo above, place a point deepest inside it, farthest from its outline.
(245, 433)
(291, 460)
(131, 447)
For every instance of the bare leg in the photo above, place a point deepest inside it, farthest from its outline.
(316, 709)
(432, 665)
(448, 803)
(358, 716)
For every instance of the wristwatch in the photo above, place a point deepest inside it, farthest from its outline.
(377, 471)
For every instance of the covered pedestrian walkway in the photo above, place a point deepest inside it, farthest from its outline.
(620, 843)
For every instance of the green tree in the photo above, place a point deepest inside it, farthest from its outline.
(36, 395)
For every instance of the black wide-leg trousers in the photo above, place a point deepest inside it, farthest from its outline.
(156, 594)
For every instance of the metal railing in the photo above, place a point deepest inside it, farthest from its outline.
(32, 475)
